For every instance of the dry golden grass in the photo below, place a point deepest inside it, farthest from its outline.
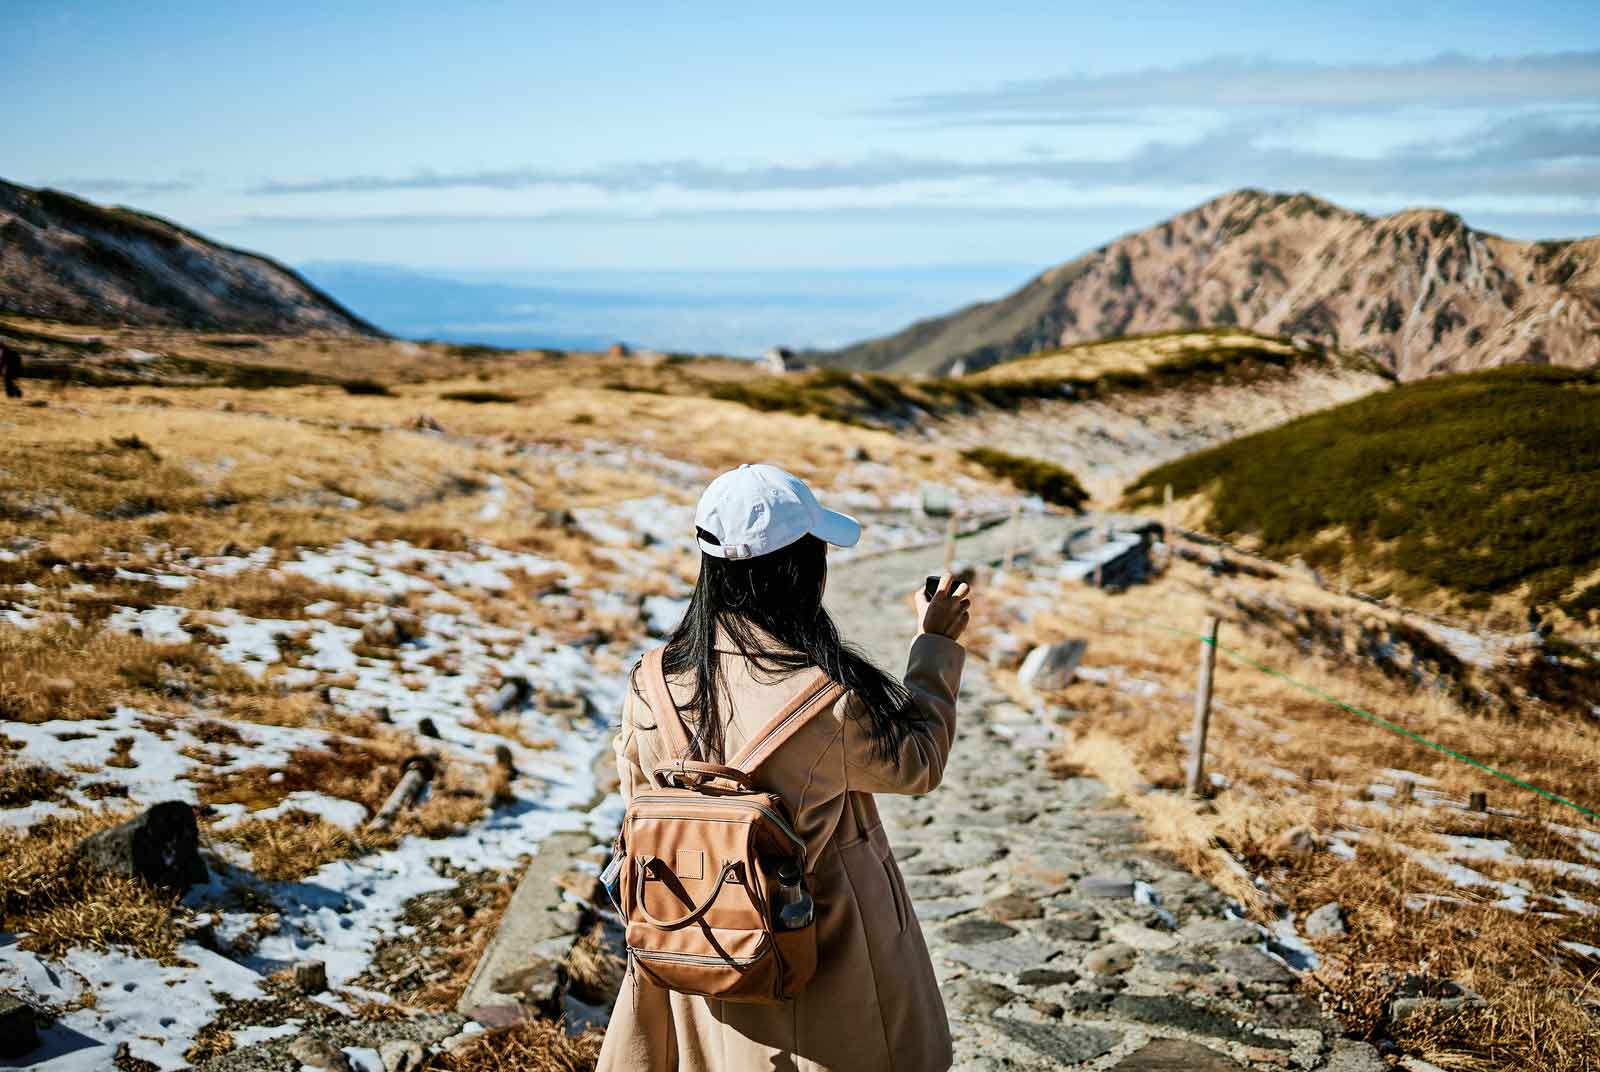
(102, 475)
(529, 1046)
(1294, 760)
(48, 892)
(594, 970)
(289, 846)
(29, 783)
(59, 670)
(1132, 355)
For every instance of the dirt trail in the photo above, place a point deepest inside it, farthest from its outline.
(1059, 943)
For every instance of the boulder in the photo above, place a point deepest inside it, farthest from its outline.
(161, 846)
(18, 1034)
(1052, 666)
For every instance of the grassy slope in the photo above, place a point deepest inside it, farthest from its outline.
(1163, 361)
(1482, 484)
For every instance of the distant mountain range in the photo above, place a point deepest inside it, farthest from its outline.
(1420, 291)
(68, 259)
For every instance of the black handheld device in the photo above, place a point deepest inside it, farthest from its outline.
(929, 587)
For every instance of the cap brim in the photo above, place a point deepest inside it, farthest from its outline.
(841, 530)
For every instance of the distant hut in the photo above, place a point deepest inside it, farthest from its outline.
(781, 359)
(958, 369)
(618, 349)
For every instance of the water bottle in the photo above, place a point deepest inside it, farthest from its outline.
(792, 906)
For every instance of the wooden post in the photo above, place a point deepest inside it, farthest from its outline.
(1408, 791)
(1479, 801)
(1166, 517)
(950, 542)
(418, 772)
(1015, 533)
(1202, 707)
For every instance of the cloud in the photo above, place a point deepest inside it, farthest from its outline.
(123, 187)
(1237, 83)
(1535, 154)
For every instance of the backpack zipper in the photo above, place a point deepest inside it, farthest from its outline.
(776, 819)
(699, 958)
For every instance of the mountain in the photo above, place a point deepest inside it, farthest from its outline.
(67, 259)
(1420, 291)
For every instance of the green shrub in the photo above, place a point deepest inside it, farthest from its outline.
(1045, 479)
(1480, 483)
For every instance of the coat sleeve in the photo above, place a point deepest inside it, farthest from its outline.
(933, 676)
(626, 744)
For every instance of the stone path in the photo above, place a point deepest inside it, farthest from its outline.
(1059, 944)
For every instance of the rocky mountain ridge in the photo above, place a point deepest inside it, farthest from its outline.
(64, 258)
(1420, 291)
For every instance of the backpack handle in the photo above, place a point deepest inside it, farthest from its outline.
(648, 863)
(682, 771)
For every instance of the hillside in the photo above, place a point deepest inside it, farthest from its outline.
(1420, 291)
(1105, 411)
(63, 258)
(1480, 486)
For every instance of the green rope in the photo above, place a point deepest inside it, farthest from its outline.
(1368, 715)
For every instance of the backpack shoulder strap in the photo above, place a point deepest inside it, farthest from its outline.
(816, 695)
(659, 698)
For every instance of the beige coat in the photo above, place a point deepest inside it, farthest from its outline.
(874, 1003)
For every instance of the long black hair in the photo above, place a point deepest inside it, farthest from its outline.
(769, 610)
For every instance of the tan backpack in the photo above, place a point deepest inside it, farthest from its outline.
(699, 855)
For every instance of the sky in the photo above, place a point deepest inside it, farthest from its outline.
(514, 140)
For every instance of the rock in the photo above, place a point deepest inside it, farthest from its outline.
(1113, 959)
(1175, 1055)
(581, 884)
(1162, 1010)
(921, 887)
(1111, 887)
(1417, 995)
(1015, 906)
(1176, 964)
(972, 931)
(1146, 938)
(1008, 957)
(1251, 965)
(18, 1032)
(536, 981)
(1072, 929)
(975, 997)
(1298, 841)
(1066, 1045)
(311, 976)
(401, 1055)
(935, 911)
(161, 846)
(1219, 932)
(1051, 667)
(1327, 921)
(1351, 1056)
(1047, 977)
(1006, 651)
(316, 1053)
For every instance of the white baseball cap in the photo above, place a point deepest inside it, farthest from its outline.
(756, 509)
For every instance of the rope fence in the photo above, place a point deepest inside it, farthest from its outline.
(1209, 639)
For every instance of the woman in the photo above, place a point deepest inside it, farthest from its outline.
(754, 625)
